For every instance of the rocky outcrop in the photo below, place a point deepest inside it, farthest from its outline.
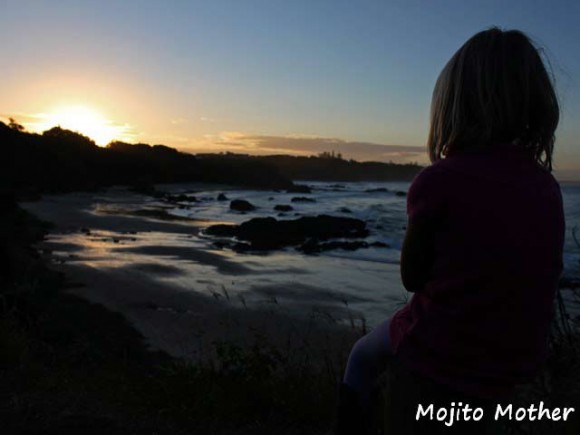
(179, 198)
(377, 190)
(283, 207)
(299, 188)
(264, 234)
(313, 246)
(241, 205)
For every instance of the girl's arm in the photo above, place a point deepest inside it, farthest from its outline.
(417, 254)
(426, 201)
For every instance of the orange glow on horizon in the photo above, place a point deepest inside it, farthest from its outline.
(83, 120)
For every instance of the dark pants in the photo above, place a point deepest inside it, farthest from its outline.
(404, 390)
(367, 360)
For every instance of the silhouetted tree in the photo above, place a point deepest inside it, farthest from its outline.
(330, 155)
(15, 125)
(61, 160)
(68, 136)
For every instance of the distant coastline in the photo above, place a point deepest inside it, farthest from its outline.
(60, 160)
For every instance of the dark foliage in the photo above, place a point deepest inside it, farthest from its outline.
(60, 160)
(68, 366)
(19, 261)
(335, 169)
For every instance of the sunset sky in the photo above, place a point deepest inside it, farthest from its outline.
(262, 77)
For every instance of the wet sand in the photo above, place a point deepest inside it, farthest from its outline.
(184, 298)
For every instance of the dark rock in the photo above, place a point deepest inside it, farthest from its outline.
(271, 198)
(222, 197)
(400, 193)
(269, 233)
(337, 186)
(378, 189)
(302, 199)
(313, 246)
(299, 188)
(86, 231)
(159, 214)
(220, 244)
(283, 207)
(241, 205)
(344, 210)
(179, 198)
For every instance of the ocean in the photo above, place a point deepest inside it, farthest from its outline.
(123, 236)
(346, 284)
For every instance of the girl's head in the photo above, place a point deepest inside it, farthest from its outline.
(494, 90)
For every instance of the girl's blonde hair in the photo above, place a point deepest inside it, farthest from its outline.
(494, 90)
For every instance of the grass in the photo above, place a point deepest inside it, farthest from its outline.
(69, 366)
(83, 367)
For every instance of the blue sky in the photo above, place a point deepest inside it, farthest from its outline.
(265, 76)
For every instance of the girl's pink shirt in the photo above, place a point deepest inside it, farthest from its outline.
(482, 321)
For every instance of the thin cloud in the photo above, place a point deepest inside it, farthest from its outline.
(178, 121)
(25, 118)
(304, 145)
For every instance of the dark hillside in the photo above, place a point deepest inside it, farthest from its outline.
(324, 168)
(60, 160)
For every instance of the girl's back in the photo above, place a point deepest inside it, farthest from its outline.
(484, 241)
(481, 321)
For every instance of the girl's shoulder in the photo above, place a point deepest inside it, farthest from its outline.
(496, 167)
(432, 177)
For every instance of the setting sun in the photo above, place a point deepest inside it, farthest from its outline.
(86, 121)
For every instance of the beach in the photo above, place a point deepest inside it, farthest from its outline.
(151, 261)
(241, 323)
(183, 297)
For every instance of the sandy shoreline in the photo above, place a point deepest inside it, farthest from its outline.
(135, 265)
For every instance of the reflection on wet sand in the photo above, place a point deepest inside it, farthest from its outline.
(182, 294)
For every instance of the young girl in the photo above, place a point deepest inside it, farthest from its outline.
(483, 247)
